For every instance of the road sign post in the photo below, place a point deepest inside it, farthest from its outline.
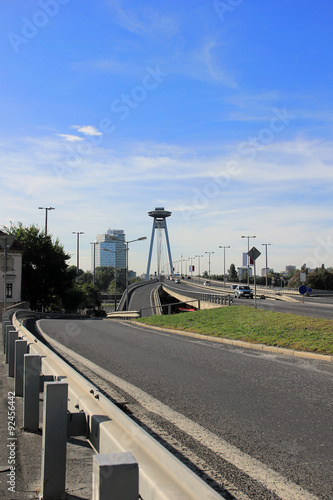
(254, 254)
(302, 290)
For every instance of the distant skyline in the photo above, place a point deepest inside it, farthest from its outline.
(221, 112)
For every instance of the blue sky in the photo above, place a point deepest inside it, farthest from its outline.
(220, 111)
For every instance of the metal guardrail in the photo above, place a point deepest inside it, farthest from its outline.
(109, 430)
(213, 298)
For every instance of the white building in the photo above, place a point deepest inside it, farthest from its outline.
(110, 249)
(242, 271)
(13, 276)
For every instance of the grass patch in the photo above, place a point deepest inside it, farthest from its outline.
(254, 325)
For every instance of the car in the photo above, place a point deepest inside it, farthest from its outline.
(233, 287)
(207, 283)
(177, 280)
(243, 291)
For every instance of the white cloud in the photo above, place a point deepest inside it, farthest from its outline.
(270, 195)
(70, 138)
(87, 129)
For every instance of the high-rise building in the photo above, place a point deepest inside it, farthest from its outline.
(110, 249)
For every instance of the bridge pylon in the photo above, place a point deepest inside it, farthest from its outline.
(159, 215)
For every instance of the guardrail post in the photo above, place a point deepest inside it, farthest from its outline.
(229, 301)
(32, 364)
(54, 440)
(20, 351)
(115, 476)
(10, 328)
(11, 338)
(5, 323)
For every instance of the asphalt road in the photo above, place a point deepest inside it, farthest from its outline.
(319, 307)
(141, 299)
(260, 424)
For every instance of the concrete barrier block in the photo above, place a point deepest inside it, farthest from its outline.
(9, 328)
(5, 323)
(54, 440)
(31, 374)
(115, 477)
(11, 338)
(20, 350)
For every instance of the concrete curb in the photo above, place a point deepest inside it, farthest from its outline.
(241, 343)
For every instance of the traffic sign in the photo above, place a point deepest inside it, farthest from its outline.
(302, 289)
(254, 253)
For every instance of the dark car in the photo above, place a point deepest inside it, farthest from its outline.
(243, 291)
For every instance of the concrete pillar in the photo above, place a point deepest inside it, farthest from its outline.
(31, 366)
(11, 338)
(20, 351)
(54, 440)
(115, 477)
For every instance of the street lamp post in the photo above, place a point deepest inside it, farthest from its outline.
(199, 264)
(209, 263)
(94, 257)
(224, 262)
(46, 210)
(266, 273)
(248, 257)
(77, 249)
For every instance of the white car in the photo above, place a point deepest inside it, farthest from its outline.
(207, 283)
(243, 291)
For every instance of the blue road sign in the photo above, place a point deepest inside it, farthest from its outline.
(302, 289)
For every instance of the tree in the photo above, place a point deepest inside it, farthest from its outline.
(233, 276)
(103, 277)
(45, 274)
(320, 279)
